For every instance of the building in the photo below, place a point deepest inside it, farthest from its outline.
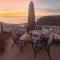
(31, 16)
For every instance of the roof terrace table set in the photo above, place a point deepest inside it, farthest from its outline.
(37, 42)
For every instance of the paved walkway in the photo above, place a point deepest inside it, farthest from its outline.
(28, 54)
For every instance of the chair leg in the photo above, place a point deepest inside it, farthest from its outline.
(13, 45)
(48, 51)
(34, 49)
(49, 55)
(21, 46)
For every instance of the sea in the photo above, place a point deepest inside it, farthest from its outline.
(16, 19)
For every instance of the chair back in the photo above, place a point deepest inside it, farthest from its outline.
(14, 35)
(51, 38)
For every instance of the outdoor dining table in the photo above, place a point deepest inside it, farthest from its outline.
(28, 38)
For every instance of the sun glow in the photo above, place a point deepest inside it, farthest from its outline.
(14, 14)
(20, 8)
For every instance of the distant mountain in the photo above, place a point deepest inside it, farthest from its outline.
(49, 20)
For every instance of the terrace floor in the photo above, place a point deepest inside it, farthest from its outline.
(28, 54)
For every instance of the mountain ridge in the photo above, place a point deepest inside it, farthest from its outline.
(49, 20)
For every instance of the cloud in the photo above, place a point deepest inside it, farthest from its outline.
(53, 10)
(49, 9)
(44, 11)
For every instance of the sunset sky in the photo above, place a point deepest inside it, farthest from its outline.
(20, 7)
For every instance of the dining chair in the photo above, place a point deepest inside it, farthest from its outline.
(16, 39)
(42, 43)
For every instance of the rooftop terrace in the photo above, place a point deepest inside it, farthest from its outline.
(28, 54)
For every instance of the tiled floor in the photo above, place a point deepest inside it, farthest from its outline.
(28, 54)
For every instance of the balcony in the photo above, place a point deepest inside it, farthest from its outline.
(28, 54)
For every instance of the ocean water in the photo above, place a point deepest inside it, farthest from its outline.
(16, 19)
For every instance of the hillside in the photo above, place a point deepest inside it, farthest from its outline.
(49, 20)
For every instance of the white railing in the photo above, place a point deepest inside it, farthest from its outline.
(38, 28)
